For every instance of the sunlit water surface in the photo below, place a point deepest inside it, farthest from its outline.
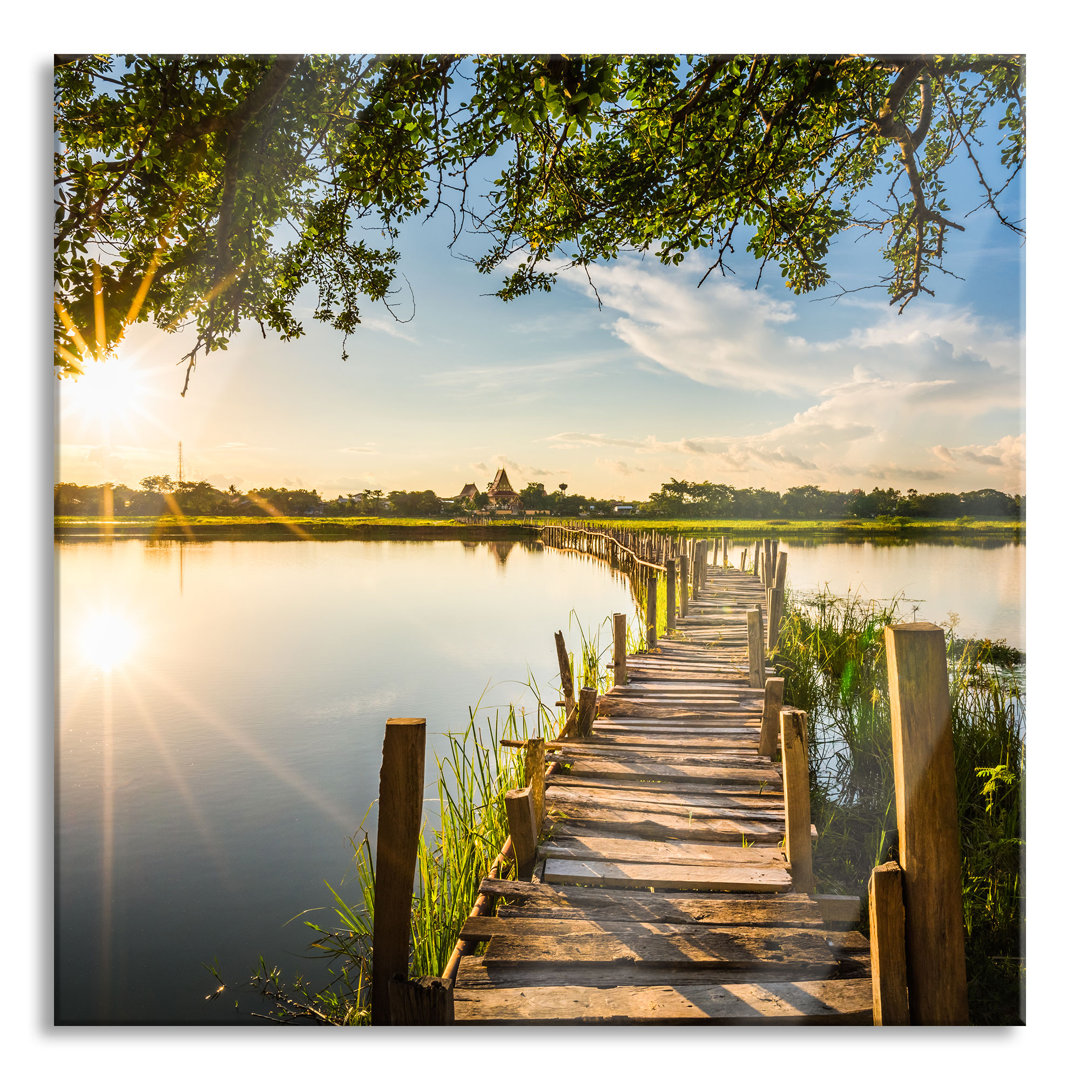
(221, 710)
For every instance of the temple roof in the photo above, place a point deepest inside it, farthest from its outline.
(501, 484)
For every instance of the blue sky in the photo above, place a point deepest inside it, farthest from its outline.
(722, 382)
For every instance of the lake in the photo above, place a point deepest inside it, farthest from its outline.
(220, 712)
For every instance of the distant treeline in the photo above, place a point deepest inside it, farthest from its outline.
(158, 495)
(682, 498)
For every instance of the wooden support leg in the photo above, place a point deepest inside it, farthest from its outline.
(796, 799)
(401, 798)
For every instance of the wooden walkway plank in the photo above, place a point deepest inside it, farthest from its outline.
(808, 1002)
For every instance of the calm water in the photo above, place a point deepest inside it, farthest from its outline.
(977, 587)
(221, 709)
(221, 712)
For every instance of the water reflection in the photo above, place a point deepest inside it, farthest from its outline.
(108, 638)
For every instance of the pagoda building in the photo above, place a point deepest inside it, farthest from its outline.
(502, 494)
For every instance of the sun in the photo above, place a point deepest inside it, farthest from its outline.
(110, 395)
(107, 639)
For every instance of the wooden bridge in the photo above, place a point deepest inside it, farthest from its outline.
(659, 893)
(663, 845)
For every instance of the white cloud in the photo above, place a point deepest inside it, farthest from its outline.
(883, 395)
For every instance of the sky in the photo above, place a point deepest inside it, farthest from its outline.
(724, 382)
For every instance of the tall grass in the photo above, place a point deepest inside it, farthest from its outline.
(832, 656)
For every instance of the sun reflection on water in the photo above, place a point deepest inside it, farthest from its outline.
(108, 639)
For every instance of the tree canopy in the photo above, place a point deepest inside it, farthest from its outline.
(208, 190)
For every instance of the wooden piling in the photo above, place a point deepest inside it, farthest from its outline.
(775, 608)
(796, 769)
(672, 611)
(755, 644)
(650, 609)
(888, 964)
(618, 629)
(566, 677)
(927, 822)
(723, 551)
(426, 1000)
(684, 585)
(401, 798)
(780, 572)
(534, 775)
(770, 717)
(586, 711)
(522, 821)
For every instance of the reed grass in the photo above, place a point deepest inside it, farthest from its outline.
(832, 656)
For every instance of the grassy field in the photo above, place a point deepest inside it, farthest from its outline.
(168, 526)
(846, 527)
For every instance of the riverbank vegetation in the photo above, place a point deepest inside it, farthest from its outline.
(832, 656)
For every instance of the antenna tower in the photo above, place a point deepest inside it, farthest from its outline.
(179, 462)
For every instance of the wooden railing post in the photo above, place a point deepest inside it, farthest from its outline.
(650, 610)
(888, 964)
(566, 677)
(775, 606)
(534, 776)
(521, 819)
(586, 711)
(755, 645)
(723, 551)
(926, 818)
(780, 572)
(427, 1000)
(672, 610)
(796, 768)
(401, 800)
(770, 717)
(618, 630)
(684, 585)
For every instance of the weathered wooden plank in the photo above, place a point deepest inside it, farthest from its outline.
(738, 829)
(531, 899)
(607, 751)
(839, 911)
(702, 803)
(475, 974)
(837, 1001)
(689, 714)
(741, 730)
(660, 876)
(654, 826)
(743, 743)
(741, 778)
(768, 797)
(583, 845)
(764, 950)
